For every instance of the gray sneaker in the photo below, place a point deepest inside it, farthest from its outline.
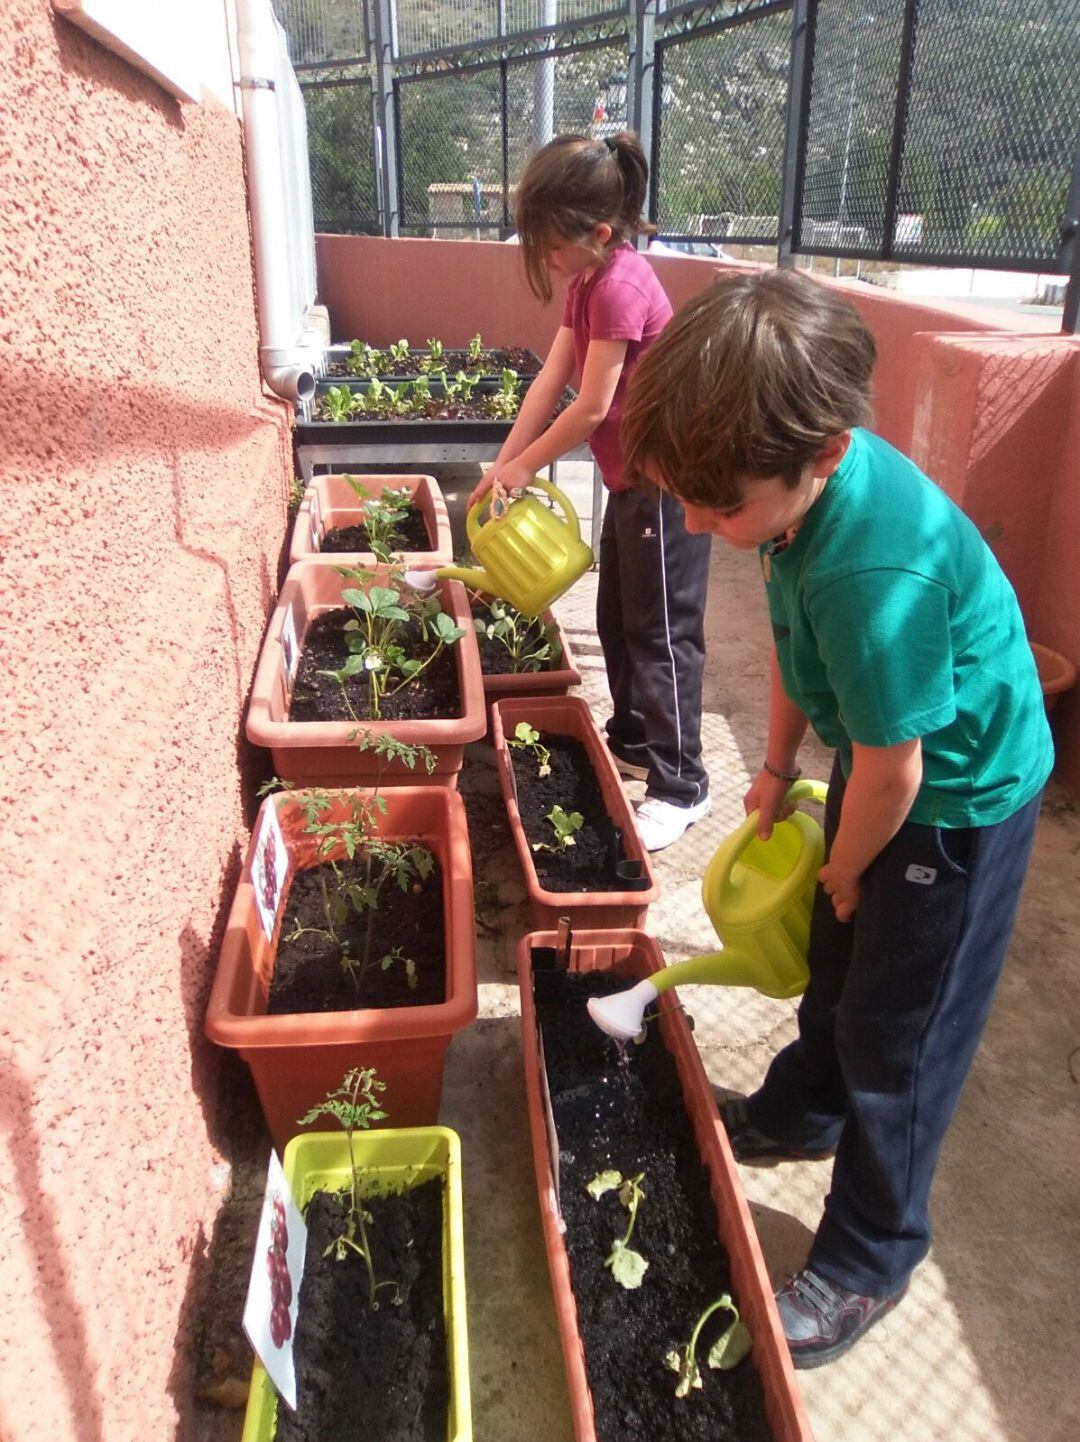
(822, 1320)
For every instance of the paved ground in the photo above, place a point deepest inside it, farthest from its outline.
(984, 1349)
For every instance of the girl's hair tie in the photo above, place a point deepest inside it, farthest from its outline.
(612, 147)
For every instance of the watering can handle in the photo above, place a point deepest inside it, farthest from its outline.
(472, 520)
(804, 790)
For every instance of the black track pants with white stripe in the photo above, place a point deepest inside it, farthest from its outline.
(650, 612)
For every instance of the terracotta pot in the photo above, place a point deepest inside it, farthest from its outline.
(500, 685)
(388, 1160)
(296, 1059)
(570, 716)
(1056, 673)
(320, 753)
(330, 504)
(633, 955)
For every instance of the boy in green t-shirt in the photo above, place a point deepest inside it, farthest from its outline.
(898, 638)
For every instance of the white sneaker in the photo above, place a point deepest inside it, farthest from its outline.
(659, 823)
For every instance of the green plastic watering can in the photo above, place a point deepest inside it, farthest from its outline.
(528, 556)
(758, 895)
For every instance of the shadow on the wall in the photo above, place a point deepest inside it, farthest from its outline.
(82, 56)
(56, 1297)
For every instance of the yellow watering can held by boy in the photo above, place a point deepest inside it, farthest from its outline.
(758, 895)
(528, 556)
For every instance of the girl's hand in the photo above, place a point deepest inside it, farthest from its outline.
(480, 490)
(766, 796)
(842, 888)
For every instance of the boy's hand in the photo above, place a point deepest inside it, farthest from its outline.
(766, 796)
(842, 888)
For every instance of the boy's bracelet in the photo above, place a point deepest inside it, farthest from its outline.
(781, 775)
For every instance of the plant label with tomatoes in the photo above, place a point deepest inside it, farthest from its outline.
(269, 867)
(290, 647)
(273, 1295)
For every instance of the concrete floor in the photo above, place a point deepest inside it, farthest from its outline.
(985, 1348)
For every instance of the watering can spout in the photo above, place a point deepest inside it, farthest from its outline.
(758, 895)
(621, 1015)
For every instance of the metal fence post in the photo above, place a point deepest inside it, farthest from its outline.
(386, 115)
(794, 134)
(641, 75)
(1070, 251)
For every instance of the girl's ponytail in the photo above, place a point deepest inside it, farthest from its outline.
(573, 184)
(630, 158)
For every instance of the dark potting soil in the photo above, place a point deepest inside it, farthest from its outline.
(588, 865)
(622, 1108)
(308, 975)
(495, 658)
(410, 534)
(382, 1376)
(434, 693)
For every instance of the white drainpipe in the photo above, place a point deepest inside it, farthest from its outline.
(286, 356)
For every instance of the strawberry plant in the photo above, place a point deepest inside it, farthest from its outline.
(726, 1352)
(527, 738)
(529, 643)
(375, 635)
(383, 515)
(564, 824)
(355, 1104)
(627, 1266)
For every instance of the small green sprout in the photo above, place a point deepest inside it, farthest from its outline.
(565, 824)
(527, 738)
(399, 351)
(726, 1352)
(476, 350)
(627, 1266)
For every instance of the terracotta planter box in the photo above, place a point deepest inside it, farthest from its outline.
(570, 716)
(330, 504)
(634, 956)
(504, 685)
(320, 753)
(296, 1059)
(1056, 673)
(388, 1160)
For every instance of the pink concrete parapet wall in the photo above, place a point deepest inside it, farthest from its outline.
(145, 475)
(991, 412)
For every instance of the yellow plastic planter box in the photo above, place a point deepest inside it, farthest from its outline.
(389, 1161)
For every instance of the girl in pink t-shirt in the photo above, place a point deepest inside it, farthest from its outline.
(577, 209)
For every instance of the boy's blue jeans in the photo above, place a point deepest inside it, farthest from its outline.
(888, 1026)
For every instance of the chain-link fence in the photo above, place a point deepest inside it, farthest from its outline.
(322, 31)
(939, 130)
(720, 107)
(341, 147)
(915, 130)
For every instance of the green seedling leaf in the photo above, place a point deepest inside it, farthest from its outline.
(729, 1349)
(627, 1266)
(602, 1183)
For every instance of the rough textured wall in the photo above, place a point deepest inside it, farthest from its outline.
(144, 482)
(992, 414)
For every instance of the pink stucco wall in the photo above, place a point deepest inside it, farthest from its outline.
(990, 411)
(144, 481)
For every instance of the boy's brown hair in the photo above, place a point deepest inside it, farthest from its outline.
(748, 381)
(573, 184)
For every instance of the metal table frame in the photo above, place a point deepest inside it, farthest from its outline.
(384, 453)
